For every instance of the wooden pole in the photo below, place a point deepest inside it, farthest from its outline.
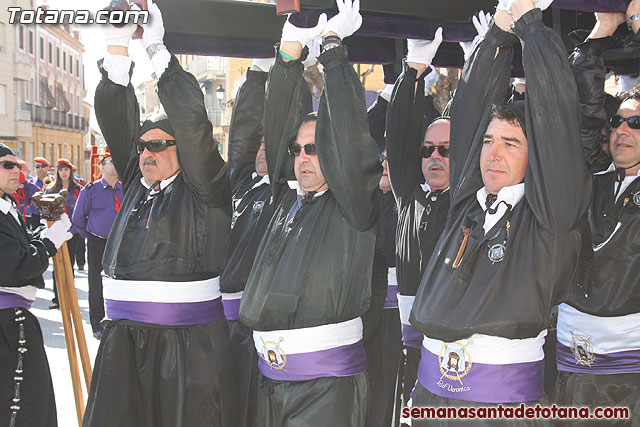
(60, 269)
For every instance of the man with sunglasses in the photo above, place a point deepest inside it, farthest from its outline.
(165, 356)
(519, 194)
(598, 349)
(93, 217)
(311, 281)
(26, 390)
(419, 174)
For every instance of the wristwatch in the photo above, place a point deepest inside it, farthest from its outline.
(632, 18)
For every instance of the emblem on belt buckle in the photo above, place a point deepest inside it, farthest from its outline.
(582, 348)
(272, 353)
(454, 360)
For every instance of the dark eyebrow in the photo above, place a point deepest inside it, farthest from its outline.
(506, 138)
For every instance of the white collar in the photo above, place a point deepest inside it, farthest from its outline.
(294, 185)
(5, 205)
(264, 180)
(163, 184)
(612, 167)
(427, 189)
(511, 194)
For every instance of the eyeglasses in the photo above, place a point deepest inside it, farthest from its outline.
(426, 151)
(40, 166)
(9, 164)
(106, 162)
(154, 145)
(617, 121)
(382, 158)
(296, 149)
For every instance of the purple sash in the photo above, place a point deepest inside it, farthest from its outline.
(392, 297)
(411, 337)
(231, 308)
(164, 313)
(11, 300)
(622, 362)
(341, 361)
(517, 382)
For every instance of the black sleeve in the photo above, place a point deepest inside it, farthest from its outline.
(557, 183)
(204, 169)
(245, 128)
(119, 120)
(281, 115)
(19, 261)
(484, 82)
(379, 282)
(588, 70)
(405, 127)
(347, 153)
(377, 116)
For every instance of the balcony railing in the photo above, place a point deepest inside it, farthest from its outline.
(47, 116)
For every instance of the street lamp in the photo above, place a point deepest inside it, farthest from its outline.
(220, 95)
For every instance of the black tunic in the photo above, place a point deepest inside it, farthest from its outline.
(24, 256)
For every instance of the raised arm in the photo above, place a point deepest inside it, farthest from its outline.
(484, 82)
(557, 181)
(245, 128)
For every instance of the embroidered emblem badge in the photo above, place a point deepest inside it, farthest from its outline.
(636, 198)
(455, 361)
(258, 205)
(273, 354)
(496, 252)
(582, 348)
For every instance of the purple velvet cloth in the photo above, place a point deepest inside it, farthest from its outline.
(411, 337)
(334, 362)
(11, 300)
(169, 314)
(512, 383)
(231, 308)
(621, 362)
(391, 301)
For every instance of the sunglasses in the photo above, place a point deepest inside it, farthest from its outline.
(9, 164)
(382, 158)
(617, 121)
(107, 162)
(154, 145)
(41, 166)
(426, 151)
(296, 149)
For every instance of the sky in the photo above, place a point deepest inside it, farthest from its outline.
(92, 37)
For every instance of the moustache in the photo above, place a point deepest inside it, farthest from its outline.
(149, 162)
(437, 163)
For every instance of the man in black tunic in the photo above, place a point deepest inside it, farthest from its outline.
(26, 391)
(419, 175)
(164, 358)
(310, 283)
(512, 241)
(598, 350)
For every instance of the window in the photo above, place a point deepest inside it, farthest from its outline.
(51, 156)
(31, 42)
(70, 64)
(31, 90)
(42, 54)
(64, 61)
(20, 37)
(77, 68)
(78, 106)
(50, 53)
(58, 57)
(3, 109)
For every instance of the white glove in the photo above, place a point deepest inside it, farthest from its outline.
(154, 28)
(118, 36)
(58, 233)
(314, 52)
(348, 19)
(291, 33)
(482, 26)
(387, 92)
(506, 4)
(264, 64)
(423, 51)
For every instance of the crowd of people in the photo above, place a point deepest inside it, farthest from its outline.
(347, 263)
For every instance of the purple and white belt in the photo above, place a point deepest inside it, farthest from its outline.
(22, 297)
(334, 350)
(391, 301)
(163, 303)
(597, 345)
(231, 304)
(484, 368)
(411, 337)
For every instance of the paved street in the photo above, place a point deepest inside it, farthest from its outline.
(51, 322)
